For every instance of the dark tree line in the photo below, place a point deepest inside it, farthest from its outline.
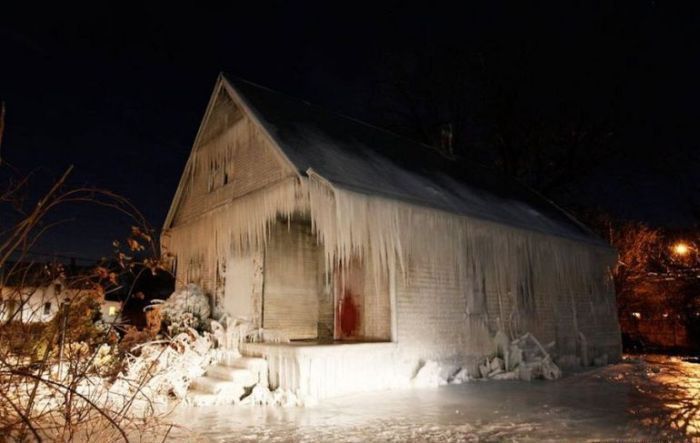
(478, 107)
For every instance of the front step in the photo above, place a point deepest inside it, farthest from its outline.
(257, 366)
(197, 398)
(253, 363)
(226, 382)
(209, 385)
(241, 376)
(227, 357)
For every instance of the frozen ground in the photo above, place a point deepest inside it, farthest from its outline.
(654, 398)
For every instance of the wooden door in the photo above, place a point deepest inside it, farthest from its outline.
(291, 286)
(238, 288)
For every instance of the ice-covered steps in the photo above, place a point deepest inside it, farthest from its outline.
(210, 385)
(256, 365)
(228, 381)
(253, 363)
(227, 357)
(242, 376)
(197, 398)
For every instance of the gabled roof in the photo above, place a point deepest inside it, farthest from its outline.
(360, 157)
(41, 274)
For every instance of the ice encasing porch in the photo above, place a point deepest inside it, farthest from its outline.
(315, 371)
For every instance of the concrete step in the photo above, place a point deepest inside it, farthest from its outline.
(252, 363)
(256, 365)
(243, 377)
(199, 398)
(226, 357)
(209, 385)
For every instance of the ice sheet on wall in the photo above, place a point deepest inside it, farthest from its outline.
(481, 256)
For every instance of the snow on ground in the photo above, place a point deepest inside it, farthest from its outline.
(640, 399)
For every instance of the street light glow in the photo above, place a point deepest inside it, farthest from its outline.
(681, 248)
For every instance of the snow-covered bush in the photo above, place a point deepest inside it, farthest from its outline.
(186, 308)
(105, 359)
(166, 368)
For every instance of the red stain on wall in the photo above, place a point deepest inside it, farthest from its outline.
(349, 315)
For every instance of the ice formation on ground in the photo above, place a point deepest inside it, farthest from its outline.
(524, 358)
(429, 375)
(647, 399)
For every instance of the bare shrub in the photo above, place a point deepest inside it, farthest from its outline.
(59, 362)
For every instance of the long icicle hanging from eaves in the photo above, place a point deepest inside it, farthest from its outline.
(480, 257)
(236, 228)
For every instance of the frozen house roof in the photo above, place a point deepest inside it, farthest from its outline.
(363, 158)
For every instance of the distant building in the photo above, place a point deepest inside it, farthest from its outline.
(364, 249)
(34, 292)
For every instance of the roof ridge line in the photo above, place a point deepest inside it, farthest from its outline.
(341, 115)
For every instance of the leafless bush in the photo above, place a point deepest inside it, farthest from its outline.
(58, 362)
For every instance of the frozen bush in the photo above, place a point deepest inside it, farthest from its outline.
(186, 308)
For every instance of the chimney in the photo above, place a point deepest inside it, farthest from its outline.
(446, 138)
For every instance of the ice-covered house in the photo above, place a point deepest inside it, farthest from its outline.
(362, 248)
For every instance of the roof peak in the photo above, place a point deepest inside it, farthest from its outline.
(228, 77)
(357, 155)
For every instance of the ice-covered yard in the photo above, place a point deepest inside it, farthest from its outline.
(638, 399)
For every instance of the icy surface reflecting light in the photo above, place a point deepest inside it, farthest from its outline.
(654, 398)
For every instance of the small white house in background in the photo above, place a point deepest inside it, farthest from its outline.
(356, 250)
(30, 304)
(34, 293)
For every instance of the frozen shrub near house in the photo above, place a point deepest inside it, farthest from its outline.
(188, 307)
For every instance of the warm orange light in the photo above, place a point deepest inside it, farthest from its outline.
(681, 248)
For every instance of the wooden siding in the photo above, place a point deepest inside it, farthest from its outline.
(432, 317)
(377, 307)
(431, 314)
(252, 165)
(326, 313)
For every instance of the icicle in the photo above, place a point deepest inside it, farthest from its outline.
(529, 272)
(237, 227)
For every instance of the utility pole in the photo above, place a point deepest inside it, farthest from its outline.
(64, 324)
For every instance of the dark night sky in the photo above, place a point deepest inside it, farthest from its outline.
(119, 91)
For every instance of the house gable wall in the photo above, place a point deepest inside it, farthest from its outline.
(233, 157)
